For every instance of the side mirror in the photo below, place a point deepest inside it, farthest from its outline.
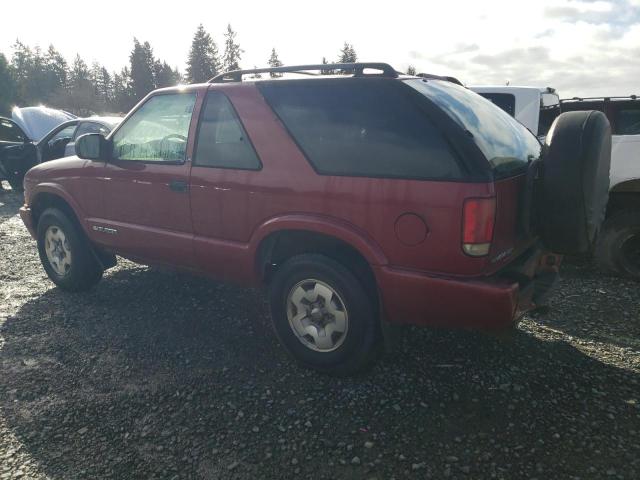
(93, 146)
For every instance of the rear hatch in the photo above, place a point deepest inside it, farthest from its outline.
(509, 149)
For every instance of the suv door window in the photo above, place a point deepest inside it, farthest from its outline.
(10, 132)
(91, 127)
(157, 131)
(367, 128)
(222, 141)
(627, 118)
(64, 133)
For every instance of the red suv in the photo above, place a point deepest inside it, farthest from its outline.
(358, 197)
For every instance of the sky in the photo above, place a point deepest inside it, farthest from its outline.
(580, 47)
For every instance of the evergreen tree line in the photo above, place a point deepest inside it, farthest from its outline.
(32, 76)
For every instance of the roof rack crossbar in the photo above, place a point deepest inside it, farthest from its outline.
(358, 70)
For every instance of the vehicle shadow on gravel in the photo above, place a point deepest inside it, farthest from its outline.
(595, 306)
(157, 375)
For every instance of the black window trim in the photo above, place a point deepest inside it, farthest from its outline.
(194, 158)
(473, 173)
(138, 107)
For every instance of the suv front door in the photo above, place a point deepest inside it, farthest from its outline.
(145, 210)
(17, 153)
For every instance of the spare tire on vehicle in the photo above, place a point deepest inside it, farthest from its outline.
(573, 189)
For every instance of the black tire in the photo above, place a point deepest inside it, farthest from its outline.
(84, 270)
(618, 248)
(362, 340)
(574, 187)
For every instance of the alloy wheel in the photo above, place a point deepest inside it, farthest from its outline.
(58, 250)
(317, 315)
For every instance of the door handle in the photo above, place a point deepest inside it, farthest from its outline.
(179, 186)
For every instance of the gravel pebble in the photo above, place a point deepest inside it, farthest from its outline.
(160, 375)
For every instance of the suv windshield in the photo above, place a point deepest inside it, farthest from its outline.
(507, 144)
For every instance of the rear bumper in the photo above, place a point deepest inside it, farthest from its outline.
(485, 303)
(27, 219)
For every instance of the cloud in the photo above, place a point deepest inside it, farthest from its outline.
(563, 13)
(618, 16)
(527, 56)
(582, 48)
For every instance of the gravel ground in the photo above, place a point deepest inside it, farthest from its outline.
(159, 375)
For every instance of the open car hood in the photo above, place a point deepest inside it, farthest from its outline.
(38, 121)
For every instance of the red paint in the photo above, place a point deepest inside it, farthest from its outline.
(413, 297)
(217, 227)
(411, 229)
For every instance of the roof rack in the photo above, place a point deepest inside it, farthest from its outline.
(430, 76)
(606, 99)
(357, 69)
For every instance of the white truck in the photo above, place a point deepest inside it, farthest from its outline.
(618, 248)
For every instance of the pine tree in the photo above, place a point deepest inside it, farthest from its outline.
(21, 61)
(411, 70)
(21, 67)
(103, 86)
(232, 51)
(204, 61)
(274, 61)
(36, 84)
(142, 68)
(94, 73)
(79, 74)
(165, 76)
(57, 70)
(347, 54)
(123, 97)
(7, 87)
(80, 97)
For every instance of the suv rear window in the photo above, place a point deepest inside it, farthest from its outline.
(367, 127)
(506, 143)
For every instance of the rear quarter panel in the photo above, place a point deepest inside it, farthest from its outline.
(236, 206)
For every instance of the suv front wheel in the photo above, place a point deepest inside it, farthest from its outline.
(65, 252)
(323, 315)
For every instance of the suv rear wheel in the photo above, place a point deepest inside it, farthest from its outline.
(65, 252)
(323, 315)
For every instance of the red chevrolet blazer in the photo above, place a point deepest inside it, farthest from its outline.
(357, 198)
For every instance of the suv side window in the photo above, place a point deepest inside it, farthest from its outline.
(66, 132)
(157, 131)
(222, 140)
(626, 117)
(10, 132)
(368, 127)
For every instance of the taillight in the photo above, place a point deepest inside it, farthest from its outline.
(478, 219)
